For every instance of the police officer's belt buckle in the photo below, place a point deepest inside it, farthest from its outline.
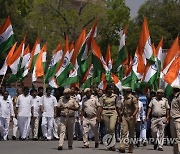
(109, 140)
(108, 108)
(158, 116)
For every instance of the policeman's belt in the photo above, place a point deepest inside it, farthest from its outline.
(67, 116)
(89, 117)
(158, 116)
(109, 108)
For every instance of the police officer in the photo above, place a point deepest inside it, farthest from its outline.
(160, 117)
(67, 105)
(90, 117)
(129, 110)
(109, 108)
(175, 119)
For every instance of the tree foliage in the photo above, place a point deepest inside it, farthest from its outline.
(163, 18)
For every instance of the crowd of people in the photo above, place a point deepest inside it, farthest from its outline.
(75, 114)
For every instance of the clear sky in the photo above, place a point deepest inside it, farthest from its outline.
(134, 6)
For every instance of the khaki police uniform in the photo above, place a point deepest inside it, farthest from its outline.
(67, 119)
(159, 111)
(89, 108)
(109, 113)
(128, 106)
(175, 122)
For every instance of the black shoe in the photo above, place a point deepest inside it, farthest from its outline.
(23, 139)
(35, 139)
(122, 150)
(70, 147)
(13, 137)
(86, 146)
(44, 138)
(112, 148)
(138, 144)
(96, 145)
(145, 144)
(60, 147)
(155, 146)
(160, 149)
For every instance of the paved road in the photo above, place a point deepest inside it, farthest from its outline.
(50, 147)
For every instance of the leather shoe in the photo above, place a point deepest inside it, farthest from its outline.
(60, 147)
(160, 149)
(122, 150)
(86, 146)
(70, 147)
(96, 145)
(155, 146)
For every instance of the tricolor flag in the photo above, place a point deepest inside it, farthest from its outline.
(65, 65)
(71, 50)
(15, 63)
(172, 54)
(159, 56)
(7, 60)
(150, 74)
(116, 81)
(55, 60)
(173, 75)
(40, 64)
(82, 57)
(97, 58)
(87, 80)
(75, 72)
(135, 76)
(103, 83)
(108, 59)
(25, 61)
(34, 54)
(126, 81)
(6, 36)
(144, 48)
(109, 63)
(122, 53)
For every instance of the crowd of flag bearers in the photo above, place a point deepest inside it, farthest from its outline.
(82, 65)
(72, 113)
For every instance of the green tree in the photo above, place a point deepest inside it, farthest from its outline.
(163, 18)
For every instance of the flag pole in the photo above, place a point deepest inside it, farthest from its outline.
(2, 80)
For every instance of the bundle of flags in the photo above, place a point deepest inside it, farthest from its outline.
(83, 64)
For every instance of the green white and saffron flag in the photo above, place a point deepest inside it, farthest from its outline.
(82, 57)
(15, 63)
(4, 68)
(34, 54)
(40, 64)
(55, 61)
(122, 53)
(87, 80)
(98, 60)
(65, 65)
(7, 39)
(25, 62)
(135, 76)
(151, 70)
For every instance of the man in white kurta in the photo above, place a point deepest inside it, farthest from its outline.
(49, 104)
(36, 103)
(7, 113)
(24, 109)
